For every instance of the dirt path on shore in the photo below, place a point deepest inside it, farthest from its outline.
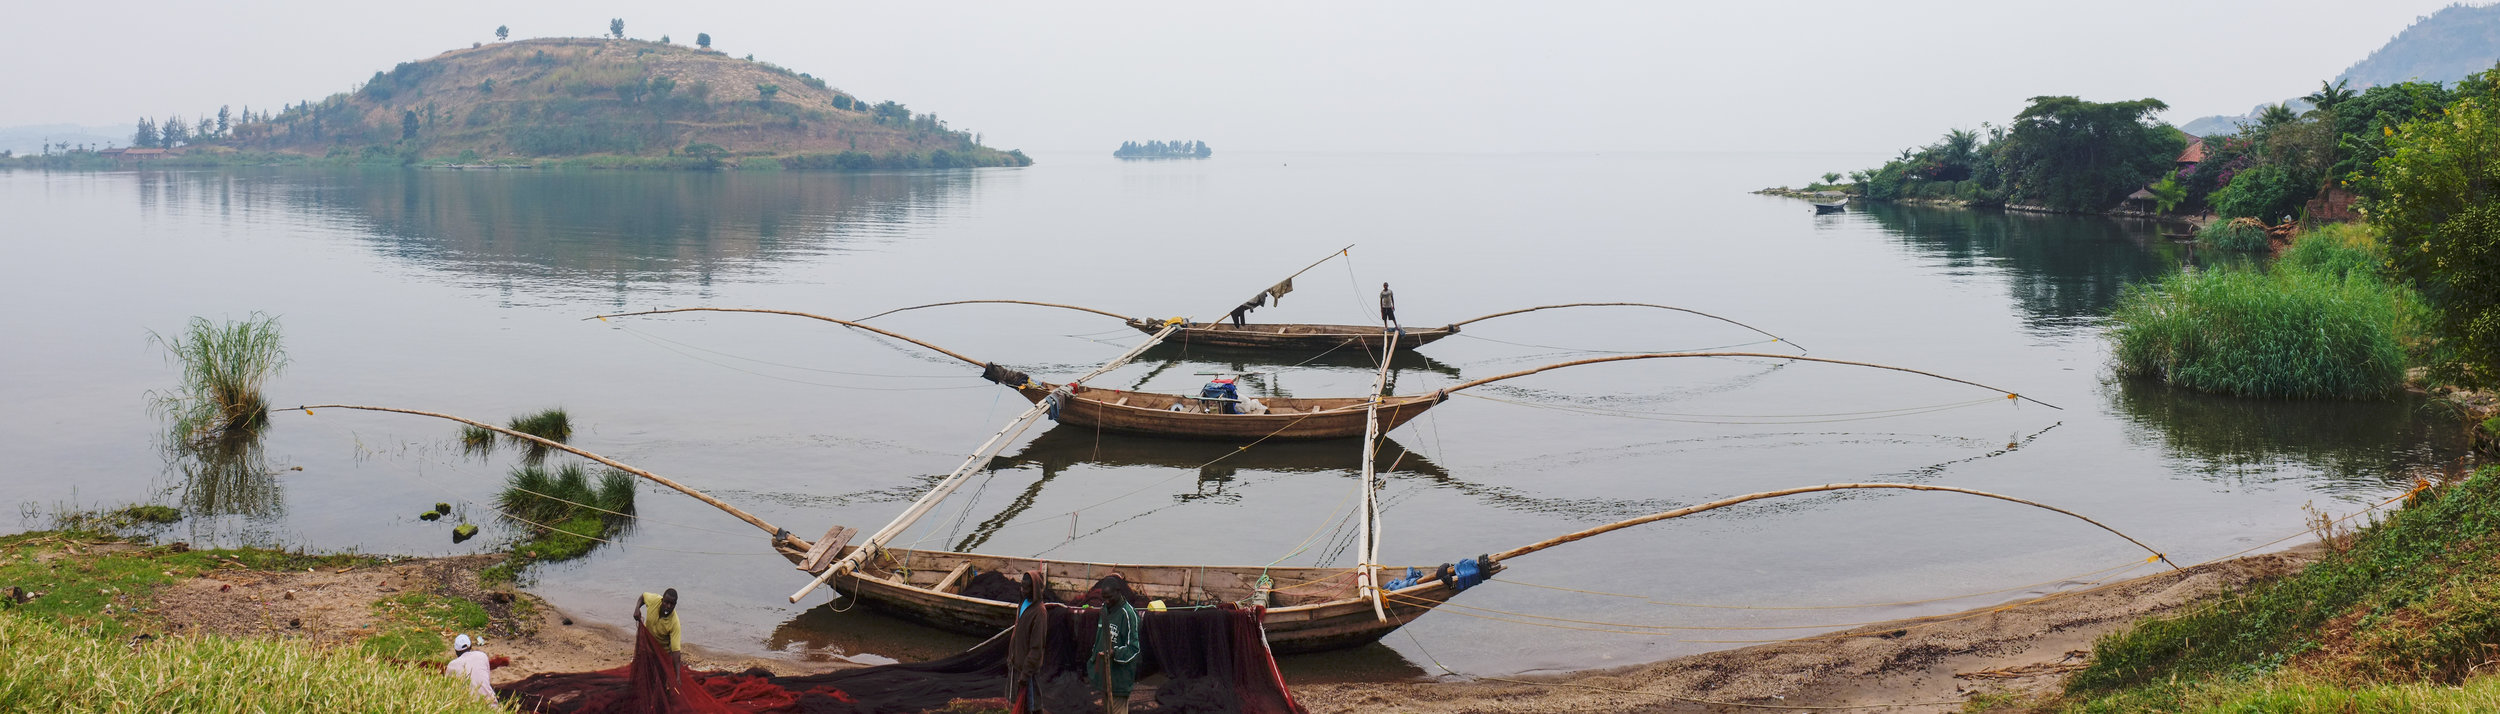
(337, 608)
(1923, 665)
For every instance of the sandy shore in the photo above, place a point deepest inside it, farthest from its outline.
(1926, 665)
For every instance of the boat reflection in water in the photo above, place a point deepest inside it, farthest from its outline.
(1217, 463)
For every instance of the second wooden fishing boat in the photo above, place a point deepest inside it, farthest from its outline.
(1296, 337)
(1309, 609)
(1286, 418)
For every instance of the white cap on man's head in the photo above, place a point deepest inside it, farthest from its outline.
(460, 644)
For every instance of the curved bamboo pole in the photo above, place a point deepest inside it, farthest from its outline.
(1506, 555)
(1633, 304)
(1112, 315)
(742, 515)
(2009, 394)
(939, 350)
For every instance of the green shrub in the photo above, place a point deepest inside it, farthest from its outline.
(2238, 234)
(2284, 333)
(2436, 199)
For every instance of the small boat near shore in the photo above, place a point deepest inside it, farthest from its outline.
(1308, 609)
(1822, 207)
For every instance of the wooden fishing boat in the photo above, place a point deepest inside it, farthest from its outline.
(1302, 337)
(1295, 337)
(1822, 207)
(1309, 609)
(1150, 413)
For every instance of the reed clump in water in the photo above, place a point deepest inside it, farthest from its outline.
(477, 440)
(224, 367)
(551, 424)
(215, 419)
(565, 512)
(2321, 323)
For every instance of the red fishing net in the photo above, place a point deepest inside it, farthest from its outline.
(1213, 661)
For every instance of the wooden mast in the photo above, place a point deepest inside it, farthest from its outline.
(1367, 578)
(980, 458)
(1298, 273)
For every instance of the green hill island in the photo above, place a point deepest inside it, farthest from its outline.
(575, 102)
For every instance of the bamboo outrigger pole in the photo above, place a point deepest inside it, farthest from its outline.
(980, 458)
(1757, 330)
(939, 350)
(1725, 502)
(1367, 561)
(1112, 315)
(1670, 355)
(750, 518)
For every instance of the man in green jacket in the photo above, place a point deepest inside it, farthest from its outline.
(1116, 646)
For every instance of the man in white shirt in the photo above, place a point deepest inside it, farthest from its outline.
(470, 664)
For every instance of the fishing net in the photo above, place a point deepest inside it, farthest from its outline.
(1215, 661)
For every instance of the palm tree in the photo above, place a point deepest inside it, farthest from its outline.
(2275, 115)
(2329, 95)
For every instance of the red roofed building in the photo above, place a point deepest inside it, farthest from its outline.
(2195, 154)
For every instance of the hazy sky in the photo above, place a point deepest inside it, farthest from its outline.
(1335, 76)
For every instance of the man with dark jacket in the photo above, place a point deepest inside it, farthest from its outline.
(1116, 646)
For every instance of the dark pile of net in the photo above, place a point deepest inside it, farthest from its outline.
(1213, 660)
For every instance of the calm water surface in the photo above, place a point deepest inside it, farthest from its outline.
(466, 293)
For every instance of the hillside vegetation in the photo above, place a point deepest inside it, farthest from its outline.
(2443, 46)
(572, 97)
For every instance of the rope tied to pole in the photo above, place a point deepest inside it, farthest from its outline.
(1725, 502)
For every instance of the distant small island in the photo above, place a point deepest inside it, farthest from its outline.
(1163, 150)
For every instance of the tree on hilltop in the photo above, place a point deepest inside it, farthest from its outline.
(703, 40)
(616, 27)
(503, 32)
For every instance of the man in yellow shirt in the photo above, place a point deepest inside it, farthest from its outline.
(663, 620)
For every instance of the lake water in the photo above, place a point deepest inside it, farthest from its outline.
(466, 293)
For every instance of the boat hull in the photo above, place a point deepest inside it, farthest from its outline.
(1296, 337)
(1151, 414)
(1314, 610)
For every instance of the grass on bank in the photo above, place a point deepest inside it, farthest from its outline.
(52, 668)
(418, 620)
(565, 513)
(2321, 322)
(2399, 619)
(102, 585)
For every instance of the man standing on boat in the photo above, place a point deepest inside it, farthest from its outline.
(1116, 646)
(1389, 310)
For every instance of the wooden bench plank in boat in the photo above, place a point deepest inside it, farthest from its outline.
(825, 547)
(953, 575)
